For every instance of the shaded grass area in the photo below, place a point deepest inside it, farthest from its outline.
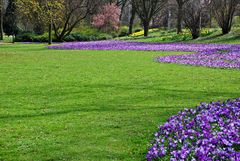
(231, 38)
(207, 36)
(95, 105)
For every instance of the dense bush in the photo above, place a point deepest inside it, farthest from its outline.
(123, 31)
(25, 37)
(163, 35)
(208, 132)
(32, 37)
(86, 37)
(207, 32)
(28, 36)
(41, 38)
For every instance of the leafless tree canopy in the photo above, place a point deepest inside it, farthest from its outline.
(224, 11)
(192, 16)
(146, 9)
(180, 4)
(75, 11)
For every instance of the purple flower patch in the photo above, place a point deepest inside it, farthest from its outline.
(208, 132)
(209, 55)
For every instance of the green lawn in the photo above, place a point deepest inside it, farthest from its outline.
(95, 105)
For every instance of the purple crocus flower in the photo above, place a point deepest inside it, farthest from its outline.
(208, 55)
(208, 132)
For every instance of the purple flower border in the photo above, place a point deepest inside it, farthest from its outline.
(208, 55)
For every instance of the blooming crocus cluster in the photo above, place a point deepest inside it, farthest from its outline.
(208, 132)
(218, 58)
(209, 55)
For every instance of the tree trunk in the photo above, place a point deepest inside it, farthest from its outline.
(195, 34)
(1, 19)
(61, 34)
(226, 29)
(121, 13)
(210, 19)
(169, 19)
(13, 38)
(200, 22)
(133, 14)
(146, 28)
(50, 33)
(179, 19)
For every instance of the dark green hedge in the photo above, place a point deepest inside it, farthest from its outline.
(32, 37)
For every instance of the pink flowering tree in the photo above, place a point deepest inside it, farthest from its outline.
(107, 19)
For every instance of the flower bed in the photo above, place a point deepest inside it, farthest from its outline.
(214, 59)
(208, 132)
(210, 55)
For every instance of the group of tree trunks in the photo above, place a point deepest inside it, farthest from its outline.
(190, 12)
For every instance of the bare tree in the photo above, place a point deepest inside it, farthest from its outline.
(192, 17)
(180, 4)
(224, 11)
(75, 11)
(146, 9)
(122, 4)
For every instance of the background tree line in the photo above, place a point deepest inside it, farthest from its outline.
(60, 17)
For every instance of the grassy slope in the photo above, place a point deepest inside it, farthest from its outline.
(168, 36)
(95, 105)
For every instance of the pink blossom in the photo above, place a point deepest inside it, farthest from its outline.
(108, 18)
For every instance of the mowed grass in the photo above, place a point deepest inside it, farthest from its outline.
(95, 105)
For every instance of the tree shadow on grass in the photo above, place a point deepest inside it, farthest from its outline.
(211, 37)
(219, 38)
(84, 110)
(172, 98)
